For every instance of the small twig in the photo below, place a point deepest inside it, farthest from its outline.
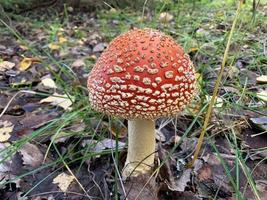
(216, 88)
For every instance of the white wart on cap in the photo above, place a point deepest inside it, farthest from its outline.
(143, 74)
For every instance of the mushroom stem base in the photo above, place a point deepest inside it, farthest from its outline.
(141, 147)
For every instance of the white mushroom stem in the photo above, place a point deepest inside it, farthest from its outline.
(141, 147)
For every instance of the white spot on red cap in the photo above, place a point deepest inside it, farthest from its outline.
(169, 74)
(142, 74)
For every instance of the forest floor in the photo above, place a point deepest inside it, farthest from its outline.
(54, 146)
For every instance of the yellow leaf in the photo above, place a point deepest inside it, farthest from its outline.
(92, 57)
(6, 129)
(262, 95)
(199, 80)
(59, 34)
(63, 181)
(192, 50)
(198, 77)
(53, 46)
(61, 40)
(27, 62)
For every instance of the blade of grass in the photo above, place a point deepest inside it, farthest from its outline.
(239, 195)
(216, 88)
(241, 162)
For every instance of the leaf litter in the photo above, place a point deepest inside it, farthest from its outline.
(79, 48)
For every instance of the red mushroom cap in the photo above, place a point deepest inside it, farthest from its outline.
(142, 74)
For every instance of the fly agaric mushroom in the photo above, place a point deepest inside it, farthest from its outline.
(141, 76)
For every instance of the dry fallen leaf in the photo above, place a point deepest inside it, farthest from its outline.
(262, 188)
(78, 63)
(218, 103)
(193, 49)
(143, 186)
(6, 129)
(117, 128)
(260, 122)
(6, 168)
(5, 65)
(262, 79)
(59, 100)
(62, 40)
(31, 155)
(262, 95)
(5, 164)
(180, 183)
(205, 173)
(63, 181)
(48, 82)
(165, 17)
(92, 57)
(99, 146)
(53, 46)
(61, 137)
(112, 10)
(23, 47)
(100, 47)
(27, 62)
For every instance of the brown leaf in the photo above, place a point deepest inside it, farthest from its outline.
(27, 62)
(141, 187)
(179, 184)
(31, 155)
(78, 63)
(204, 173)
(262, 187)
(211, 177)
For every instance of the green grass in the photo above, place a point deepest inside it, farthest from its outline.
(193, 27)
